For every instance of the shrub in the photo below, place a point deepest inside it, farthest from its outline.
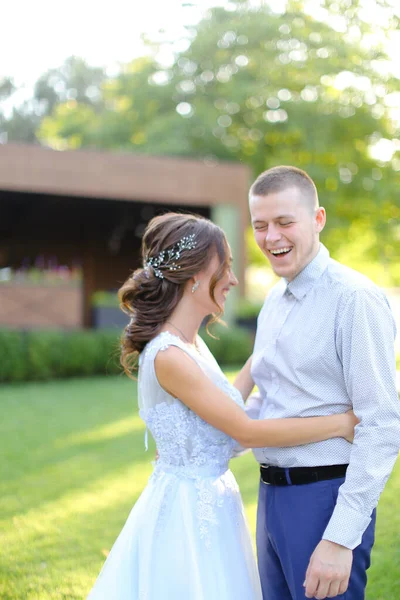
(53, 354)
(231, 345)
(13, 356)
(41, 355)
(44, 354)
(91, 352)
(247, 309)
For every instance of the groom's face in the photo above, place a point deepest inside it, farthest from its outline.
(286, 228)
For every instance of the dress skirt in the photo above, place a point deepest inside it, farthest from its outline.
(186, 538)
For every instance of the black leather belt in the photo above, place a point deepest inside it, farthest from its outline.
(300, 475)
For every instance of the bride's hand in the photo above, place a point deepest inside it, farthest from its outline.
(350, 421)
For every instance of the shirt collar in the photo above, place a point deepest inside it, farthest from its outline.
(301, 284)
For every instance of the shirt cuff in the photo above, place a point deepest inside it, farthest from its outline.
(346, 527)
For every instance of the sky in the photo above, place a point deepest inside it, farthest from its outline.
(37, 35)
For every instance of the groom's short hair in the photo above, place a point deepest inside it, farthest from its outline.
(283, 177)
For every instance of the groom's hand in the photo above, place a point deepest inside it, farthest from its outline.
(328, 570)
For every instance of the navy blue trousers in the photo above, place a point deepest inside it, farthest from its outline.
(290, 523)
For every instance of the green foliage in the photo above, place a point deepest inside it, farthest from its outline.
(254, 254)
(264, 89)
(41, 355)
(44, 355)
(261, 88)
(230, 346)
(75, 82)
(109, 299)
(13, 356)
(246, 309)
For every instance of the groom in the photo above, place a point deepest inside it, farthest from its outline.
(324, 344)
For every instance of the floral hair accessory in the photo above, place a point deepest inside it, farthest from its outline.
(168, 259)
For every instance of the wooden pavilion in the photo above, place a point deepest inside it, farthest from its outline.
(90, 208)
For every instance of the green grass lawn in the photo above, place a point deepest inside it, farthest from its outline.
(71, 467)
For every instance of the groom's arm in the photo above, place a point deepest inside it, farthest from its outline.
(365, 345)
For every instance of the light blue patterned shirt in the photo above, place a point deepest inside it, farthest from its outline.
(325, 344)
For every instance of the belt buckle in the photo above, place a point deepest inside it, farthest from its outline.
(268, 469)
(275, 475)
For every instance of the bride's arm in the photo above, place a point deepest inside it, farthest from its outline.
(181, 377)
(244, 382)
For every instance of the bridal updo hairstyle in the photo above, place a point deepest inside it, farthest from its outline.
(149, 299)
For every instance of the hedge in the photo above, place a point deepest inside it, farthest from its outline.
(40, 355)
(231, 345)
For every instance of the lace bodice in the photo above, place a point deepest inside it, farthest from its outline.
(183, 439)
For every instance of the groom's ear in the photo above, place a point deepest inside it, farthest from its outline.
(320, 218)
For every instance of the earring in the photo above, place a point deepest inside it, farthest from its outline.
(195, 286)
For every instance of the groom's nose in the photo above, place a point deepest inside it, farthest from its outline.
(273, 234)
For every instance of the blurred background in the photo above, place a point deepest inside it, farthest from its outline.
(110, 115)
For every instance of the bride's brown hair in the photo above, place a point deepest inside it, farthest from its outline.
(149, 299)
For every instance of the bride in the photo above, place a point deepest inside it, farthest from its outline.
(186, 538)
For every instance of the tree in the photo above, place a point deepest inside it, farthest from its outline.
(265, 88)
(74, 81)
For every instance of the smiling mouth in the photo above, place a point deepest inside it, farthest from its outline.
(280, 252)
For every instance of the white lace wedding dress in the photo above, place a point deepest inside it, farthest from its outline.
(186, 537)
